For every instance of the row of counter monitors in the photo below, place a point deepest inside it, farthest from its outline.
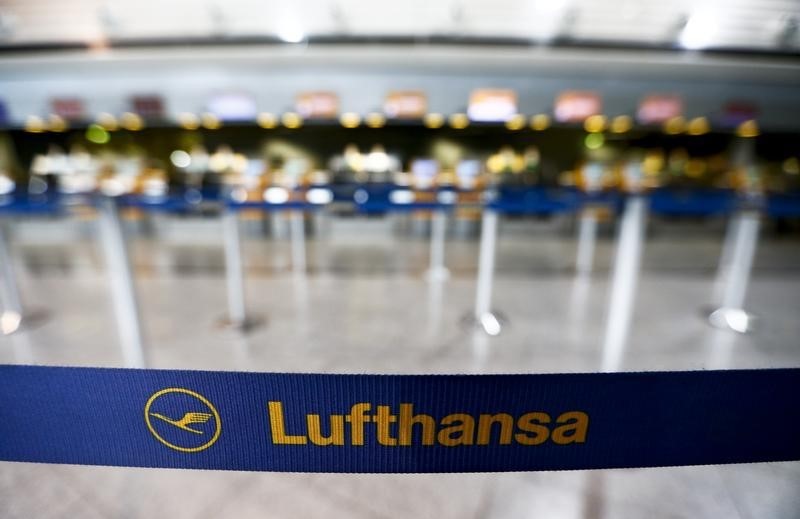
(744, 208)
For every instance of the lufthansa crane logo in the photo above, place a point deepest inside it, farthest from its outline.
(182, 419)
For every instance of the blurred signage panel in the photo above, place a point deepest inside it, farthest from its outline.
(576, 105)
(317, 105)
(148, 106)
(70, 108)
(659, 108)
(737, 111)
(492, 104)
(408, 104)
(233, 106)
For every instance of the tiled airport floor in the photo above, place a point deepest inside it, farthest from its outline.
(366, 307)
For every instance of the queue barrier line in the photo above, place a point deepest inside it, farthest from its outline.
(396, 423)
(669, 201)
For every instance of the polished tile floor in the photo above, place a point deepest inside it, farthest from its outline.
(365, 307)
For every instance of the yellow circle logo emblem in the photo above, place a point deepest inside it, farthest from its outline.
(182, 419)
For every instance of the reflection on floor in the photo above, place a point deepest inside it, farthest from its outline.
(365, 308)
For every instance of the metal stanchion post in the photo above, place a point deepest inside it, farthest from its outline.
(11, 317)
(726, 256)
(731, 315)
(234, 271)
(738, 252)
(587, 236)
(123, 293)
(437, 270)
(623, 285)
(483, 315)
(298, 239)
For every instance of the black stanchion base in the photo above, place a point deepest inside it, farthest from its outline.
(246, 326)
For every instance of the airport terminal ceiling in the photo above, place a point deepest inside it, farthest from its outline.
(713, 55)
(738, 25)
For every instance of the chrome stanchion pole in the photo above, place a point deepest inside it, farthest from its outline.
(731, 315)
(483, 315)
(234, 271)
(740, 247)
(623, 284)
(742, 261)
(437, 270)
(123, 293)
(587, 236)
(298, 238)
(11, 317)
(725, 259)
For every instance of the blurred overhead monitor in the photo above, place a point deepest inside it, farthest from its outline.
(148, 106)
(406, 104)
(317, 105)
(737, 111)
(69, 108)
(492, 104)
(574, 106)
(233, 106)
(659, 108)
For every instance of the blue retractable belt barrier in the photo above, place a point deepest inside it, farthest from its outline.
(535, 200)
(29, 205)
(396, 423)
(693, 202)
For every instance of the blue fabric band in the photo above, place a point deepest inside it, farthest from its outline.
(396, 423)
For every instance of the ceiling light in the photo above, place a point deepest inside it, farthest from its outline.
(433, 120)
(674, 125)
(210, 121)
(595, 123)
(350, 120)
(748, 128)
(291, 33)
(189, 121)
(517, 122)
(292, 120)
(375, 120)
(540, 122)
(131, 121)
(180, 159)
(698, 126)
(34, 124)
(458, 121)
(699, 31)
(621, 124)
(267, 120)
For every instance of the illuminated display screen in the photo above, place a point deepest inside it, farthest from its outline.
(657, 108)
(151, 106)
(492, 105)
(233, 106)
(575, 106)
(70, 108)
(738, 111)
(411, 104)
(317, 105)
